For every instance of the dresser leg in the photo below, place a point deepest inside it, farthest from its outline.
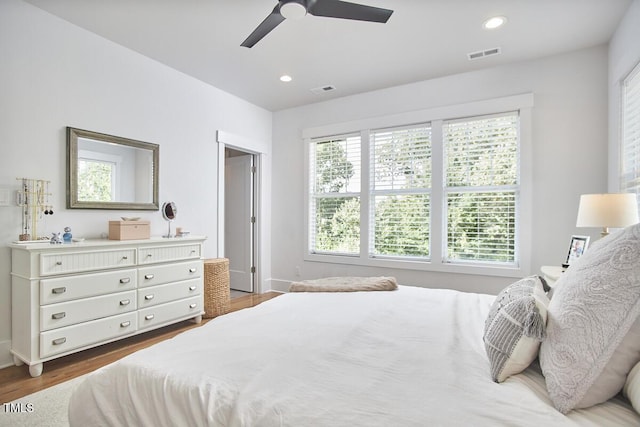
(35, 370)
(197, 319)
(17, 361)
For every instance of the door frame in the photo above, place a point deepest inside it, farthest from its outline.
(250, 195)
(228, 140)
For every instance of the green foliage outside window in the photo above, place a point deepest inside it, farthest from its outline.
(94, 181)
(480, 191)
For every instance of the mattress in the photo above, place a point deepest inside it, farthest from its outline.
(410, 357)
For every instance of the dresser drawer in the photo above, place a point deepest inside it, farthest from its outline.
(185, 308)
(155, 254)
(71, 312)
(74, 262)
(86, 285)
(85, 334)
(160, 274)
(160, 294)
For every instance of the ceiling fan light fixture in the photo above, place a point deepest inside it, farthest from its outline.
(293, 10)
(494, 22)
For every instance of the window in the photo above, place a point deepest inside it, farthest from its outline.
(630, 152)
(335, 200)
(400, 191)
(481, 188)
(443, 193)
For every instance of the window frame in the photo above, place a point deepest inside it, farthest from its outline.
(623, 181)
(523, 104)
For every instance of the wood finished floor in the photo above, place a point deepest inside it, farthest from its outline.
(15, 381)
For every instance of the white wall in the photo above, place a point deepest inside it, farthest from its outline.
(54, 74)
(624, 54)
(569, 156)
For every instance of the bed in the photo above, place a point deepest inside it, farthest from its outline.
(409, 357)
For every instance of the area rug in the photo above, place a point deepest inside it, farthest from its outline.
(46, 407)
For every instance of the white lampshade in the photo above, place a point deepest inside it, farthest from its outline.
(607, 210)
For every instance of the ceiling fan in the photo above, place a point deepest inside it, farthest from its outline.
(287, 9)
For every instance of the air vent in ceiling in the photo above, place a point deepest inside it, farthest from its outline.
(323, 89)
(484, 53)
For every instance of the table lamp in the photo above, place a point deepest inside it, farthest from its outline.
(607, 210)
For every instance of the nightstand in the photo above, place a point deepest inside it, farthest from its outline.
(551, 273)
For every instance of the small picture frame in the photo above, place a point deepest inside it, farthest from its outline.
(577, 247)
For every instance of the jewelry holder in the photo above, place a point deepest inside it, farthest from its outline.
(33, 199)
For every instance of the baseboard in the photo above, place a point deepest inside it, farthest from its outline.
(6, 359)
(279, 285)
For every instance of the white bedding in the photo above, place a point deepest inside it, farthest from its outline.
(411, 357)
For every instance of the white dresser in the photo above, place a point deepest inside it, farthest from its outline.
(70, 297)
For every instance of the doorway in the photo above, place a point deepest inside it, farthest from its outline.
(240, 218)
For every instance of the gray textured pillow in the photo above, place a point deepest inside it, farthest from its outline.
(515, 326)
(594, 305)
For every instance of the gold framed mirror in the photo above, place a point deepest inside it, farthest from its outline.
(111, 172)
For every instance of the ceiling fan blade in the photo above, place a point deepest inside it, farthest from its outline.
(269, 23)
(346, 10)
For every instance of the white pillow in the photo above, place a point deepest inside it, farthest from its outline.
(515, 326)
(591, 345)
(631, 388)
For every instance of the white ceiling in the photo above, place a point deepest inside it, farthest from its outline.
(423, 39)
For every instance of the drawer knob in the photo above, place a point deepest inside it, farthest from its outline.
(193, 251)
(59, 341)
(125, 324)
(193, 270)
(149, 255)
(193, 288)
(149, 317)
(57, 316)
(125, 302)
(58, 262)
(125, 280)
(148, 297)
(60, 290)
(194, 305)
(148, 276)
(125, 257)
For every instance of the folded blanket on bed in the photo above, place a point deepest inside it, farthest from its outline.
(345, 284)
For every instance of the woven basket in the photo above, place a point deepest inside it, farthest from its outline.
(217, 298)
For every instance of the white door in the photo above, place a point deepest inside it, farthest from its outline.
(239, 220)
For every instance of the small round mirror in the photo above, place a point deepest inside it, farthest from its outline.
(169, 212)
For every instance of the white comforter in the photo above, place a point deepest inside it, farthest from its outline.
(411, 357)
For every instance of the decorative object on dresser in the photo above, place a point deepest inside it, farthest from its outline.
(33, 200)
(217, 293)
(169, 212)
(66, 298)
(129, 230)
(607, 210)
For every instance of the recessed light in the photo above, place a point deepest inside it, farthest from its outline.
(286, 78)
(493, 23)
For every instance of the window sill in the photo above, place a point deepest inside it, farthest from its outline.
(466, 268)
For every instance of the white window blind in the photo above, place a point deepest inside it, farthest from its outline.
(630, 152)
(444, 189)
(400, 167)
(335, 195)
(481, 188)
